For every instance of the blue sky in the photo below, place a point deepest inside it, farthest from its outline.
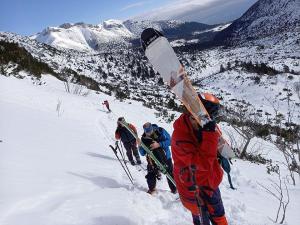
(31, 16)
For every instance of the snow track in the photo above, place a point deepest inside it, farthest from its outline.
(105, 131)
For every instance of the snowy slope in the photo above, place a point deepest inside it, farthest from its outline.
(238, 87)
(58, 170)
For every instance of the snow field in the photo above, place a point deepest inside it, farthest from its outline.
(59, 170)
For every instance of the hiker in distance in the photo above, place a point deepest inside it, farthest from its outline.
(107, 105)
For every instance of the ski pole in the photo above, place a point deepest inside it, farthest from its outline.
(115, 151)
(126, 171)
(121, 152)
(196, 190)
(123, 157)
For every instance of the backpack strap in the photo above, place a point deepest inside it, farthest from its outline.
(225, 164)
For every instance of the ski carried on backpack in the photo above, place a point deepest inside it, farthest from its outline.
(164, 60)
(161, 167)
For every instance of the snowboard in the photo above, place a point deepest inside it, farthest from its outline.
(164, 60)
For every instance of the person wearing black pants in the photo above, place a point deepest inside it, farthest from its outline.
(128, 141)
(157, 140)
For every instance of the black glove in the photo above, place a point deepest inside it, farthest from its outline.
(199, 134)
(210, 126)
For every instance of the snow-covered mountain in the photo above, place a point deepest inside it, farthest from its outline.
(137, 26)
(86, 37)
(266, 18)
(81, 36)
(172, 29)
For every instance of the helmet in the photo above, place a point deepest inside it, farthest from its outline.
(211, 104)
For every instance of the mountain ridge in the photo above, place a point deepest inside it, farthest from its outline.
(88, 37)
(263, 19)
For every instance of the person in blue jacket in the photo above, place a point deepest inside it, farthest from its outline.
(158, 140)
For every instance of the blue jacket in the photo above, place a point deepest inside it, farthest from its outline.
(163, 138)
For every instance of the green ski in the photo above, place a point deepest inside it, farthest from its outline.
(161, 167)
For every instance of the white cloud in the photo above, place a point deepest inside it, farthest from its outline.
(206, 11)
(137, 4)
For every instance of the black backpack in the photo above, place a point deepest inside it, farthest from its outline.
(159, 153)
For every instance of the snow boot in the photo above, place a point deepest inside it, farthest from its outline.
(151, 192)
